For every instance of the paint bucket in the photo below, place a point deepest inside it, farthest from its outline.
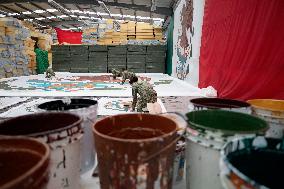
(62, 132)
(219, 103)
(252, 163)
(135, 151)
(24, 163)
(87, 109)
(271, 111)
(207, 132)
(179, 160)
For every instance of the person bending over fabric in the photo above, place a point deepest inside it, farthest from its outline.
(145, 91)
(115, 73)
(127, 75)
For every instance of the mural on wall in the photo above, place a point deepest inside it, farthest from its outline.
(185, 32)
(188, 20)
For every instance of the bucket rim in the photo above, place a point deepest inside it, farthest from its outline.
(224, 159)
(134, 140)
(253, 101)
(70, 110)
(242, 104)
(45, 158)
(78, 122)
(228, 132)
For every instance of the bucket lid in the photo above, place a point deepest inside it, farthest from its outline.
(214, 127)
(218, 103)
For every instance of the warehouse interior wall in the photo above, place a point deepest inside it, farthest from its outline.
(188, 19)
(242, 49)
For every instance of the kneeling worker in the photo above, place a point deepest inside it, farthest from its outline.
(145, 91)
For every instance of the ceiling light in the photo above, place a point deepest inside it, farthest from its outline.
(51, 10)
(27, 12)
(39, 11)
(40, 18)
(13, 14)
(51, 17)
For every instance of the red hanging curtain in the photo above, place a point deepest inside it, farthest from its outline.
(242, 48)
(68, 36)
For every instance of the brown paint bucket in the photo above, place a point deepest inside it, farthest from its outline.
(24, 163)
(135, 151)
(220, 103)
(62, 132)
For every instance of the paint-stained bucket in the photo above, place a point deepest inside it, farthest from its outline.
(207, 132)
(87, 109)
(62, 132)
(219, 103)
(271, 111)
(24, 163)
(135, 151)
(253, 163)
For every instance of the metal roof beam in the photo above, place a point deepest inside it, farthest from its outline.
(168, 11)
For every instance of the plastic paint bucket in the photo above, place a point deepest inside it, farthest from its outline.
(24, 163)
(207, 132)
(271, 111)
(219, 103)
(62, 132)
(135, 151)
(87, 109)
(252, 163)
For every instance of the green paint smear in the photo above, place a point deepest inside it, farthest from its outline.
(226, 121)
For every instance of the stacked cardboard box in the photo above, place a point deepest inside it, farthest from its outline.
(106, 33)
(29, 51)
(12, 48)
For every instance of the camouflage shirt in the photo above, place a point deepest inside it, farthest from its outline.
(49, 73)
(127, 75)
(115, 73)
(146, 95)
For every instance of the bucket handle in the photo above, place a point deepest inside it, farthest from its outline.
(144, 160)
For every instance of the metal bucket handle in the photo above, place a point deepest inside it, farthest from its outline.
(144, 160)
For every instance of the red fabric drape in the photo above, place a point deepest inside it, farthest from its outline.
(69, 36)
(242, 48)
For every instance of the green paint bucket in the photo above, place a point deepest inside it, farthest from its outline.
(207, 132)
(252, 163)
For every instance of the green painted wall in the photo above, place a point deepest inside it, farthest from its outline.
(170, 46)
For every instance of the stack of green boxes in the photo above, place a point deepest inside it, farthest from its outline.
(101, 59)
(79, 58)
(155, 59)
(136, 58)
(98, 59)
(117, 57)
(61, 58)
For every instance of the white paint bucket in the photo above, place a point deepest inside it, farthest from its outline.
(87, 109)
(271, 111)
(62, 132)
(207, 132)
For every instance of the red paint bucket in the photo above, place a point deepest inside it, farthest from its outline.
(24, 163)
(135, 151)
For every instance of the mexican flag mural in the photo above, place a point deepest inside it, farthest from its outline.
(236, 46)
